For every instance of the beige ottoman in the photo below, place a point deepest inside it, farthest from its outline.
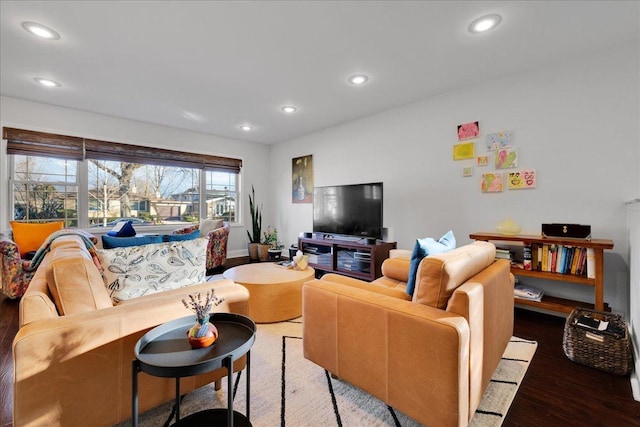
(275, 293)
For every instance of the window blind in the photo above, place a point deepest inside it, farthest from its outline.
(35, 143)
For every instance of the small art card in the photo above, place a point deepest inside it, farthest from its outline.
(506, 158)
(468, 130)
(491, 182)
(467, 171)
(483, 160)
(521, 179)
(464, 151)
(498, 140)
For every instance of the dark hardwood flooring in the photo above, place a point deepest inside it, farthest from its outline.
(554, 392)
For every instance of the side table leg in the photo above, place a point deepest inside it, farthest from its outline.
(248, 382)
(135, 368)
(177, 399)
(228, 363)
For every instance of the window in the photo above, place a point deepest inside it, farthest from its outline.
(93, 183)
(45, 188)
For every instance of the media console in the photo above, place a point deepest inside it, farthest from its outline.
(346, 257)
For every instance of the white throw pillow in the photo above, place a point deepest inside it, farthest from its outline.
(135, 271)
(207, 225)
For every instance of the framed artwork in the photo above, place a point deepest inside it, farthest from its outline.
(498, 140)
(468, 171)
(506, 158)
(483, 160)
(521, 179)
(468, 130)
(491, 182)
(302, 179)
(464, 151)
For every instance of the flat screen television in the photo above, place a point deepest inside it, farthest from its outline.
(348, 210)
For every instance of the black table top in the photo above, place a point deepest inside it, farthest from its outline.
(165, 351)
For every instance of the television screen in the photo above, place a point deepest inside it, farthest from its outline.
(348, 210)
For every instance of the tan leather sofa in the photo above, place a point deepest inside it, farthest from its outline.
(72, 354)
(430, 356)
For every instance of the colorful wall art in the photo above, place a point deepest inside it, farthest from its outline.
(491, 182)
(521, 179)
(506, 158)
(464, 151)
(468, 131)
(467, 171)
(498, 140)
(483, 160)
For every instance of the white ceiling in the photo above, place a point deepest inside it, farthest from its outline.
(237, 62)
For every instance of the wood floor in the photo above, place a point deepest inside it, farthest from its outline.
(555, 391)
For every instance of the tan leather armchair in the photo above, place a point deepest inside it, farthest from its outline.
(431, 356)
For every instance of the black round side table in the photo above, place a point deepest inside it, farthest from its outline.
(165, 352)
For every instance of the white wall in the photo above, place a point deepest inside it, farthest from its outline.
(575, 122)
(47, 118)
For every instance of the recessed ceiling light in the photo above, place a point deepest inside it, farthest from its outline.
(47, 82)
(289, 109)
(41, 30)
(358, 79)
(484, 23)
(246, 128)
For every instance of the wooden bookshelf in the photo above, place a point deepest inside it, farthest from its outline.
(553, 303)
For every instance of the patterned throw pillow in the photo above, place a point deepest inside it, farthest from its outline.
(134, 271)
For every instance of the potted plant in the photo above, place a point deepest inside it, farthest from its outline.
(256, 226)
(275, 247)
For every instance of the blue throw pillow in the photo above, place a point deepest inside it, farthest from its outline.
(425, 247)
(109, 242)
(181, 237)
(122, 229)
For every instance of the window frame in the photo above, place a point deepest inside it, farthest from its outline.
(42, 144)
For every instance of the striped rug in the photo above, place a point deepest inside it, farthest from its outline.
(288, 390)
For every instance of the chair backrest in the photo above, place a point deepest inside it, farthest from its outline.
(439, 275)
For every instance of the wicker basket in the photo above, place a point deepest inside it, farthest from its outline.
(604, 350)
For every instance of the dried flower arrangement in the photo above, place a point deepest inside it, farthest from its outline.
(202, 308)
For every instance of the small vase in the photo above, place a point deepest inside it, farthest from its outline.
(202, 334)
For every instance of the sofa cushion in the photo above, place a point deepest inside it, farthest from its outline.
(76, 285)
(109, 242)
(425, 247)
(122, 229)
(135, 271)
(439, 275)
(207, 225)
(30, 236)
(181, 236)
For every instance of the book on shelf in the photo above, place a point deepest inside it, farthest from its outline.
(526, 257)
(502, 253)
(591, 263)
(528, 292)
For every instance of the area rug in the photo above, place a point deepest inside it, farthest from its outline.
(288, 390)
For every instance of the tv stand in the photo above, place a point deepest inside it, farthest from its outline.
(346, 257)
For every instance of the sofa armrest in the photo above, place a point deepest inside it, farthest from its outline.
(413, 357)
(369, 286)
(13, 279)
